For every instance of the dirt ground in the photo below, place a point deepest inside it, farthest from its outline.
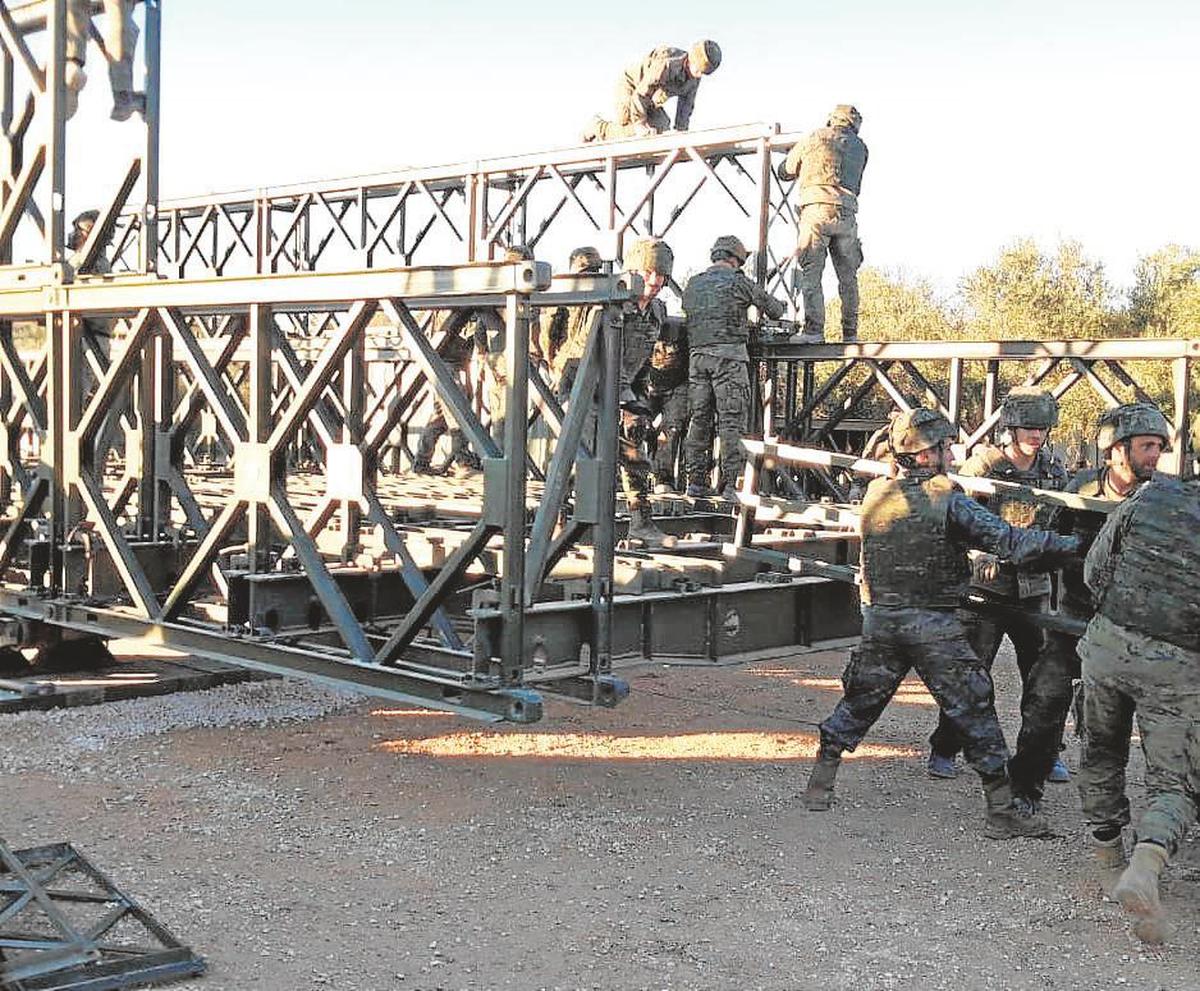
(299, 839)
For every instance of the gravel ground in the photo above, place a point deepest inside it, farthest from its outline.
(304, 839)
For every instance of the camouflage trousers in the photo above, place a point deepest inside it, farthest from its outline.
(632, 465)
(828, 230)
(934, 642)
(437, 425)
(674, 417)
(1128, 676)
(1046, 684)
(720, 385)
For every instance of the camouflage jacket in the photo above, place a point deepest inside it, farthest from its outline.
(660, 75)
(829, 163)
(715, 303)
(641, 330)
(1076, 600)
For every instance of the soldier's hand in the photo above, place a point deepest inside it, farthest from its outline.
(985, 568)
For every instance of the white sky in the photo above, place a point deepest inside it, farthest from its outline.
(987, 121)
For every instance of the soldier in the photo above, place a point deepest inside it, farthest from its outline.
(829, 163)
(1130, 438)
(565, 332)
(1141, 656)
(1028, 414)
(916, 529)
(457, 353)
(646, 86)
(653, 260)
(120, 42)
(715, 303)
(666, 392)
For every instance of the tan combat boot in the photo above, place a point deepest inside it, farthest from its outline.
(642, 527)
(1137, 891)
(1007, 819)
(1108, 851)
(818, 796)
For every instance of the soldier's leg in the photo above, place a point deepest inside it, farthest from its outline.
(731, 384)
(78, 26)
(984, 634)
(845, 252)
(963, 690)
(1108, 716)
(120, 40)
(1164, 720)
(431, 433)
(1045, 702)
(631, 462)
(874, 672)
(811, 251)
(698, 447)
(674, 421)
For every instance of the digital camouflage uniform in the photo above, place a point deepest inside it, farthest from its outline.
(828, 165)
(1028, 592)
(1141, 657)
(120, 43)
(915, 534)
(457, 353)
(645, 87)
(715, 303)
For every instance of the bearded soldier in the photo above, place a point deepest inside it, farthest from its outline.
(716, 303)
(1141, 656)
(1028, 414)
(646, 86)
(829, 166)
(916, 530)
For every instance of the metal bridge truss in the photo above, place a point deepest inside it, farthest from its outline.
(814, 393)
(602, 194)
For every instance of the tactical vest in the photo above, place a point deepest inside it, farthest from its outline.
(1045, 473)
(1077, 597)
(640, 330)
(1155, 587)
(908, 557)
(716, 313)
(832, 157)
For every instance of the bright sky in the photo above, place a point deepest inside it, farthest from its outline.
(987, 121)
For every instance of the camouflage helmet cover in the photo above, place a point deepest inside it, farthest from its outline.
(918, 430)
(706, 55)
(650, 254)
(585, 259)
(1030, 407)
(727, 244)
(846, 115)
(1131, 420)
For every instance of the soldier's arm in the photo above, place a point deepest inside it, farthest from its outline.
(652, 75)
(789, 168)
(970, 523)
(684, 106)
(756, 295)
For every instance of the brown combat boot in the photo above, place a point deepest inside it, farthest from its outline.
(818, 796)
(1137, 891)
(1109, 851)
(643, 528)
(1008, 818)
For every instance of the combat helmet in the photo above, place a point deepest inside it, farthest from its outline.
(650, 254)
(706, 55)
(1030, 407)
(518, 253)
(845, 115)
(585, 260)
(1131, 420)
(727, 244)
(917, 430)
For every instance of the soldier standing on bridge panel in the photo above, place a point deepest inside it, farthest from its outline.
(716, 302)
(456, 351)
(564, 333)
(916, 530)
(829, 164)
(120, 42)
(652, 259)
(646, 86)
(1141, 655)
(1028, 414)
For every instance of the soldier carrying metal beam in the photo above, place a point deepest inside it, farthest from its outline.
(646, 86)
